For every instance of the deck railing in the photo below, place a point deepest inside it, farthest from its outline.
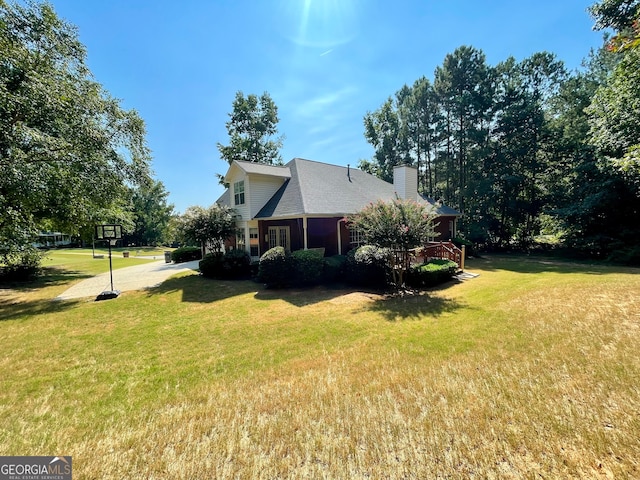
(444, 250)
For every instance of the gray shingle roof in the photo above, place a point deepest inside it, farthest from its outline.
(441, 208)
(317, 188)
(225, 198)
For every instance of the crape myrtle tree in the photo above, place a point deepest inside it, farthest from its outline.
(67, 148)
(207, 227)
(399, 226)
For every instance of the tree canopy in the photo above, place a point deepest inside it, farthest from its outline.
(526, 149)
(152, 214)
(253, 131)
(67, 148)
(614, 113)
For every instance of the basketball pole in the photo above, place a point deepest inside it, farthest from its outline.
(110, 266)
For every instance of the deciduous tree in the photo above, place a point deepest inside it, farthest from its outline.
(384, 130)
(253, 131)
(151, 214)
(67, 148)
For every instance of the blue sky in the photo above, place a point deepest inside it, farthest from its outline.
(325, 63)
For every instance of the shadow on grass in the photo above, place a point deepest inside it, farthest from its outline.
(416, 305)
(13, 306)
(535, 263)
(301, 297)
(11, 310)
(50, 277)
(199, 289)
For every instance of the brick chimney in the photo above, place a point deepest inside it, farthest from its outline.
(405, 181)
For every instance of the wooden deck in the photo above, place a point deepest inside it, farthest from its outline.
(443, 250)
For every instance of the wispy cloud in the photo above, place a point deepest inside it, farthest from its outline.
(325, 103)
(326, 120)
(327, 52)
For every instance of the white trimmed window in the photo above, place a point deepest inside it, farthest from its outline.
(240, 240)
(254, 244)
(356, 237)
(280, 237)
(238, 192)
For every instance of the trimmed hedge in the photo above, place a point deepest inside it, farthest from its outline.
(279, 268)
(308, 266)
(364, 267)
(367, 266)
(431, 274)
(211, 265)
(333, 268)
(235, 264)
(186, 254)
(276, 268)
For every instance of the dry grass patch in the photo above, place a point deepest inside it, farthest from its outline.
(335, 420)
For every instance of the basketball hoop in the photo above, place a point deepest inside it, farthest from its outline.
(111, 233)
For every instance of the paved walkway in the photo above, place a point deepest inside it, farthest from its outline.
(137, 277)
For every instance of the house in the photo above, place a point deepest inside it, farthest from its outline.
(303, 204)
(52, 239)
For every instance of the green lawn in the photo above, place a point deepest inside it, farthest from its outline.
(82, 260)
(528, 371)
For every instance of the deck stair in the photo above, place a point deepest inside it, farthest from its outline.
(444, 250)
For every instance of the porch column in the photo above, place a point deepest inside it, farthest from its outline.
(304, 232)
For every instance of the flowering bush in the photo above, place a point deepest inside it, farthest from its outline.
(400, 226)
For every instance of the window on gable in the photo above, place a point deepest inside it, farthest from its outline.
(238, 192)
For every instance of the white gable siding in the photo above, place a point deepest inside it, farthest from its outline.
(242, 210)
(261, 189)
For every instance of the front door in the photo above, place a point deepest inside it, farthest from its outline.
(280, 237)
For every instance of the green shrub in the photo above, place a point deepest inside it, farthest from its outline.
(186, 254)
(367, 266)
(276, 268)
(21, 266)
(431, 274)
(211, 265)
(626, 255)
(333, 268)
(469, 247)
(231, 265)
(307, 266)
(236, 264)
(253, 268)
